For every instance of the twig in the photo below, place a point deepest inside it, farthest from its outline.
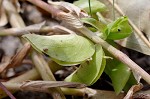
(28, 29)
(17, 59)
(72, 21)
(7, 92)
(16, 21)
(14, 84)
(139, 33)
(46, 74)
(30, 75)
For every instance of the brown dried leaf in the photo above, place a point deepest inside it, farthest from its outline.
(132, 90)
(69, 8)
(102, 94)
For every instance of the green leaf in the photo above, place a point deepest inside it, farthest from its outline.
(65, 48)
(96, 24)
(90, 71)
(96, 6)
(132, 81)
(119, 74)
(118, 29)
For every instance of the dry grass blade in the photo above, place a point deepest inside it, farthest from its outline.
(139, 33)
(30, 75)
(16, 21)
(37, 28)
(8, 92)
(21, 31)
(17, 59)
(3, 16)
(46, 74)
(50, 84)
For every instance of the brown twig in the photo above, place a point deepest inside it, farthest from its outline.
(17, 59)
(16, 21)
(46, 74)
(30, 29)
(7, 92)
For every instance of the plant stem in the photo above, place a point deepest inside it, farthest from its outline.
(72, 21)
(137, 31)
(7, 92)
(117, 54)
(46, 74)
(30, 75)
(16, 21)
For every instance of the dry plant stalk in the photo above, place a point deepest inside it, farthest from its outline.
(70, 20)
(42, 85)
(137, 31)
(7, 92)
(16, 21)
(46, 74)
(37, 28)
(17, 59)
(29, 75)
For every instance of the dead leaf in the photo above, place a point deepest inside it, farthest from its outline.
(132, 90)
(69, 8)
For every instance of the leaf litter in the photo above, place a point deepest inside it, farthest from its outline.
(15, 55)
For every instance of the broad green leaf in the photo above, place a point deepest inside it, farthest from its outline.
(65, 48)
(118, 29)
(96, 24)
(89, 71)
(132, 81)
(96, 6)
(119, 74)
(64, 63)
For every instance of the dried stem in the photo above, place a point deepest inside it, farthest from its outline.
(46, 74)
(28, 29)
(17, 58)
(117, 54)
(30, 75)
(17, 21)
(7, 92)
(139, 33)
(15, 84)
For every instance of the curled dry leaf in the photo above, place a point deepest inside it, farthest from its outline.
(68, 7)
(132, 90)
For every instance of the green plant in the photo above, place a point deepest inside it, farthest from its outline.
(72, 49)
